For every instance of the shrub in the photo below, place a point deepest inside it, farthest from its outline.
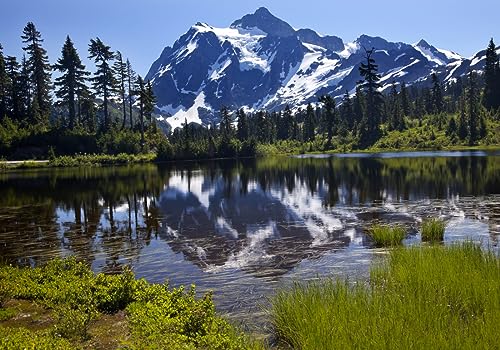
(21, 338)
(158, 317)
(433, 230)
(387, 236)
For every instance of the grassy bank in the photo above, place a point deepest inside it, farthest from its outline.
(82, 160)
(420, 298)
(64, 305)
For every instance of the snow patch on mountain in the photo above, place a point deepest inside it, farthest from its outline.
(180, 115)
(245, 42)
(430, 55)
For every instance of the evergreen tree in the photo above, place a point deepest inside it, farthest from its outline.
(437, 95)
(226, 126)
(308, 128)
(286, 124)
(358, 106)
(396, 112)
(39, 72)
(142, 97)
(328, 117)
(120, 71)
(463, 128)
(103, 80)
(131, 81)
(242, 126)
(369, 130)
(149, 103)
(14, 95)
(452, 128)
(473, 111)
(346, 112)
(71, 81)
(491, 96)
(24, 87)
(87, 110)
(404, 99)
(261, 126)
(4, 85)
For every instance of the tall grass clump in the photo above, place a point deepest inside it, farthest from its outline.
(433, 230)
(387, 236)
(420, 298)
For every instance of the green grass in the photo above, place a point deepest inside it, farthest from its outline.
(387, 236)
(78, 302)
(420, 298)
(101, 159)
(433, 230)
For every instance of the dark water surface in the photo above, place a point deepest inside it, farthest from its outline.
(245, 228)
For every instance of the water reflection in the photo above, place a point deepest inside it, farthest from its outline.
(228, 223)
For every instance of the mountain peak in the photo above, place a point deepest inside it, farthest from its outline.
(265, 21)
(424, 44)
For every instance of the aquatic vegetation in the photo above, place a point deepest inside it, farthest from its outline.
(433, 230)
(421, 298)
(387, 236)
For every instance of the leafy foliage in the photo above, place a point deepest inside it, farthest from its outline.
(158, 316)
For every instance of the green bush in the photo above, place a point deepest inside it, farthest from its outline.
(21, 338)
(433, 230)
(157, 316)
(73, 323)
(387, 236)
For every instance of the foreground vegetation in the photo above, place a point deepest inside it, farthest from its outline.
(387, 236)
(65, 305)
(421, 298)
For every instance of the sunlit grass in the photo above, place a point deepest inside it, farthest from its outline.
(433, 230)
(387, 236)
(421, 298)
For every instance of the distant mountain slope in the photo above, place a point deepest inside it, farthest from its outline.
(260, 62)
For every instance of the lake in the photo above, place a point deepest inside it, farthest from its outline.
(245, 228)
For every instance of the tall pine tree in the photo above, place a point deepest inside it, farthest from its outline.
(39, 72)
(120, 71)
(131, 82)
(369, 130)
(329, 116)
(71, 81)
(242, 131)
(473, 108)
(14, 94)
(309, 124)
(4, 85)
(437, 95)
(103, 80)
(491, 96)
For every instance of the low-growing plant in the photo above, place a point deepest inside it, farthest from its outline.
(22, 338)
(157, 316)
(433, 230)
(387, 236)
(73, 323)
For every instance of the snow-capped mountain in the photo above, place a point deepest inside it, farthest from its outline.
(261, 62)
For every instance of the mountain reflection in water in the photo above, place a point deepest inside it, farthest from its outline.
(243, 227)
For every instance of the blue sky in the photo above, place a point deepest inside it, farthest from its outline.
(140, 29)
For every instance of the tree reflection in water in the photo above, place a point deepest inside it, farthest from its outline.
(263, 217)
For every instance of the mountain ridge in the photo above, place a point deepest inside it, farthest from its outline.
(261, 62)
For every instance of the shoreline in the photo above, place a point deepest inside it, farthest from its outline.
(149, 158)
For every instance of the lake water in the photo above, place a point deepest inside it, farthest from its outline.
(245, 228)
